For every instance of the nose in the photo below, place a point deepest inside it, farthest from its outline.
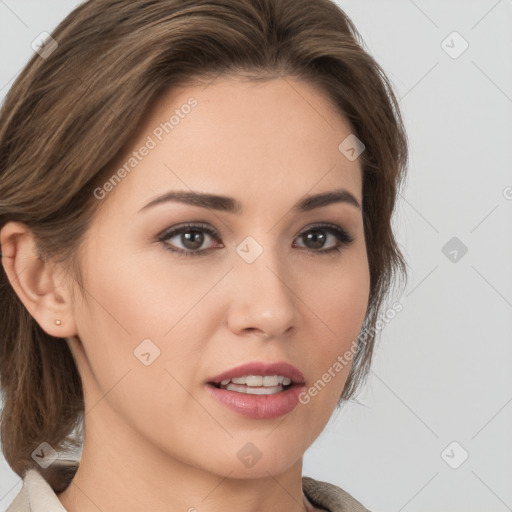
(263, 300)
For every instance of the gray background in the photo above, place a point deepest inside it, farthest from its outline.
(442, 370)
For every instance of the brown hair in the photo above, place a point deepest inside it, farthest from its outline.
(68, 116)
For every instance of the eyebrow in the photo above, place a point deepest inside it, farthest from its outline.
(231, 205)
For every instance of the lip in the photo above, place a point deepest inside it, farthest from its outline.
(259, 406)
(260, 368)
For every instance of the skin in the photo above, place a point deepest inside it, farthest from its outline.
(155, 439)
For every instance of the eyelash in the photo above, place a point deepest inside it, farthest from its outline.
(344, 238)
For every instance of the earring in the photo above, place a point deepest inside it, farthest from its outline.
(58, 322)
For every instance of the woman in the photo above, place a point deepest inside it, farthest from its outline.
(196, 202)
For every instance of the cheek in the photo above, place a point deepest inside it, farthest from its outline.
(345, 303)
(339, 296)
(338, 301)
(145, 294)
(122, 311)
(139, 297)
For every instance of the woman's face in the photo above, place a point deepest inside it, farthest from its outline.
(167, 311)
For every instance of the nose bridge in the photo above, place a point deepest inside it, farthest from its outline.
(264, 300)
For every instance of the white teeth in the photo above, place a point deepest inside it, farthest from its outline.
(271, 380)
(241, 388)
(253, 380)
(259, 380)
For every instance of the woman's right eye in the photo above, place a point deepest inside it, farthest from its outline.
(192, 237)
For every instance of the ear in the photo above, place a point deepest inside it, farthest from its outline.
(41, 286)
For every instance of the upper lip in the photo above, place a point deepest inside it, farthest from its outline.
(260, 368)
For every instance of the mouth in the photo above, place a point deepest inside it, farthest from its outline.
(258, 390)
(258, 378)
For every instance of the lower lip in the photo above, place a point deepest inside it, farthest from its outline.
(259, 406)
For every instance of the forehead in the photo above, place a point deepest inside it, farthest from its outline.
(247, 139)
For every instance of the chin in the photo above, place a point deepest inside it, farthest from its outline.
(255, 456)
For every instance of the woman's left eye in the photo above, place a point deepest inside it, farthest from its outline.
(192, 237)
